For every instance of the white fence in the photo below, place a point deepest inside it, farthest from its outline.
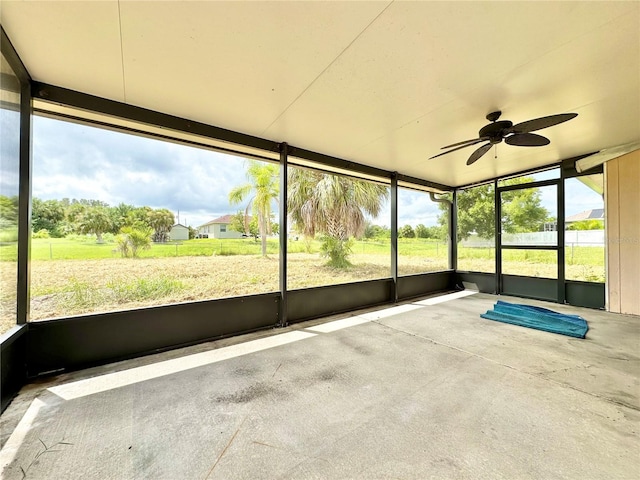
(578, 238)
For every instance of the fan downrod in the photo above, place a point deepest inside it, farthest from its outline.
(493, 116)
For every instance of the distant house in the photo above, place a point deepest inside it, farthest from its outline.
(594, 214)
(218, 228)
(179, 232)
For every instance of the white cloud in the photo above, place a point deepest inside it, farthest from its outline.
(416, 208)
(76, 161)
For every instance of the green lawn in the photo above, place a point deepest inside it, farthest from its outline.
(65, 249)
(581, 263)
(573, 255)
(88, 249)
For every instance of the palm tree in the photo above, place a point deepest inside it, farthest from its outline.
(95, 220)
(161, 221)
(264, 186)
(131, 240)
(333, 205)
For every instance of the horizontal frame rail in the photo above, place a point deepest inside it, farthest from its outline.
(530, 247)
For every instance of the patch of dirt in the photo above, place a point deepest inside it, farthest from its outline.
(202, 277)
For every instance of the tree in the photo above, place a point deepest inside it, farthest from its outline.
(244, 224)
(122, 215)
(161, 221)
(422, 231)
(521, 210)
(406, 232)
(262, 189)
(47, 215)
(334, 206)
(475, 212)
(439, 232)
(138, 217)
(376, 231)
(85, 202)
(8, 218)
(74, 211)
(95, 220)
(9, 209)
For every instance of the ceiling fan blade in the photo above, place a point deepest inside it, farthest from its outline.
(466, 142)
(540, 123)
(458, 148)
(527, 140)
(479, 152)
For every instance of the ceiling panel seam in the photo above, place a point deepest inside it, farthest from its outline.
(327, 68)
(124, 83)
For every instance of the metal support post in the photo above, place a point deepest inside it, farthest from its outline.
(284, 230)
(394, 236)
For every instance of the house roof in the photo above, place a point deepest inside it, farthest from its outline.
(179, 225)
(224, 219)
(593, 214)
(384, 84)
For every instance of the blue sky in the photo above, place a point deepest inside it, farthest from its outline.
(76, 161)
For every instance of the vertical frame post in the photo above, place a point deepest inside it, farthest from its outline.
(394, 236)
(453, 232)
(497, 203)
(284, 230)
(24, 206)
(561, 249)
(24, 188)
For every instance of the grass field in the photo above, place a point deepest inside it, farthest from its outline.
(581, 263)
(85, 248)
(76, 276)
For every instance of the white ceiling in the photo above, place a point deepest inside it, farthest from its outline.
(380, 83)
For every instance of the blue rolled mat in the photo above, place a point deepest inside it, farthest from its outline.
(538, 318)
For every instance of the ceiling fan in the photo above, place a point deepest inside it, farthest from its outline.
(519, 134)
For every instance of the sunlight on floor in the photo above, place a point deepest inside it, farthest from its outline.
(102, 383)
(110, 381)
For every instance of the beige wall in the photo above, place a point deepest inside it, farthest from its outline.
(215, 232)
(622, 210)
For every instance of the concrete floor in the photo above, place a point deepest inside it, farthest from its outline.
(416, 391)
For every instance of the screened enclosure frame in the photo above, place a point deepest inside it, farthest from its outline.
(43, 347)
(558, 247)
(48, 338)
(559, 290)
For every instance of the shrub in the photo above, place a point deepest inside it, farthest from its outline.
(43, 233)
(337, 250)
(406, 232)
(131, 240)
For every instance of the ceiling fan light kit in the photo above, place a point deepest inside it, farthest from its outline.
(518, 135)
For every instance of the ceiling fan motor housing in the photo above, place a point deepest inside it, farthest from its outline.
(494, 132)
(493, 116)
